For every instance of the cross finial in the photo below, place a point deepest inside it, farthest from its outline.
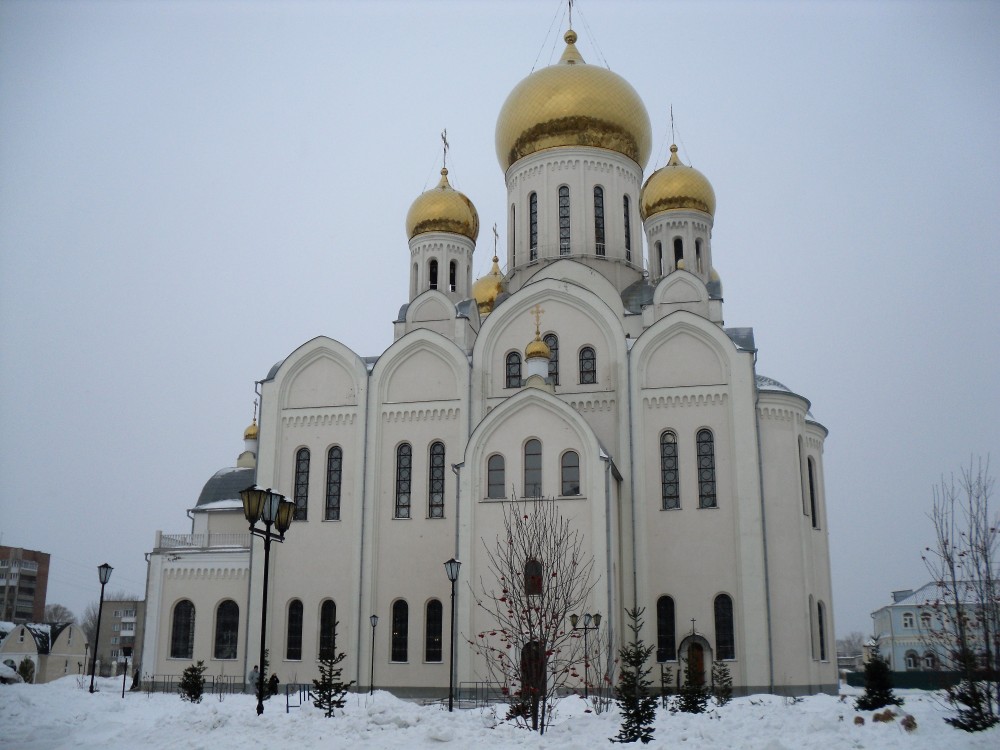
(496, 240)
(537, 312)
(692, 625)
(570, 2)
(672, 139)
(444, 140)
(255, 410)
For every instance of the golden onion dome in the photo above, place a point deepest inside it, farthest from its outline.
(442, 209)
(537, 348)
(251, 432)
(676, 185)
(573, 104)
(487, 288)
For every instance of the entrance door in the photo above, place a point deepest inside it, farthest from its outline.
(696, 664)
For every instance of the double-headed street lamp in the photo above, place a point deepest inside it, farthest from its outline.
(104, 575)
(374, 621)
(274, 510)
(451, 568)
(587, 619)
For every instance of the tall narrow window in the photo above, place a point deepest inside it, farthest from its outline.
(181, 631)
(803, 482)
(552, 341)
(301, 483)
(706, 469)
(533, 226)
(628, 229)
(404, 471)
(328, 630)
(570, 470)
(293, 636)
(821, 629)
(334, 473)
(599, 220)
(533, 578)
(533, 468)
(678, 250)
(435, 482)
(513, 370)
(670, 483)
(659, 256)
(512, 235)
(496, 477)
(433, 267)
(432, 631)
(564, 220)
(697, 256)
(725, 642)
(400, 630)
(588, 366)
(452, 276)
(666, 645)
(227, 630)
(812, 491)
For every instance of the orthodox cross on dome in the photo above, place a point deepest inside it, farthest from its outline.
(537, 312)
(570, 3)
(692, 625)
(444, 140)
(672, 139)
(496, 241)
(255, 410)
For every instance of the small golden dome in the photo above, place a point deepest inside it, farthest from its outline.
(251, 432)
(573, 104)
(442, 209)
(487, 288)
(537, 348)
(676, 185)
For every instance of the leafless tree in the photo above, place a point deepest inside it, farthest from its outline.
(852, 644)
(89, 623)
(58, 613)
(538, 575)
(965, 615)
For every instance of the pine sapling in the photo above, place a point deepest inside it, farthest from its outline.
(192, 684)
(638, 707)
(330, 689)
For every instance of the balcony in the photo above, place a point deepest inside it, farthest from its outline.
(193, 542)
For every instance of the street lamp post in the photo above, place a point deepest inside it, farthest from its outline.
(104, 575)
(587, 619)
(451, 568)
(274, 510)
(374, 621)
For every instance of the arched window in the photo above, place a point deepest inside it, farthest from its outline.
(930, 660)
(812, 491)
(533, 468)
(570, 470)
(659, 256)
(432, 631)
(552, 341)
(628, 229)
(453, 276)
(802, 479)
(433, 268)
(533, 226)
(670, 482)
(293, 635)
(912, 660)
(435, 482)
(821, 629)
(564, 220)
(678, 250)
(925, 620)
(496, 480)
(666, 646)
(533, 578)
(328, 630)
(513, 370)
(334, 473)
(907, 619)
(725, 642)
(697, 256)
(182, 631)
(301, 484)
(512, 233)
(413, 285)
(599, 220)
(588, 366)
(227, 629)
(400, 630)
(706, 469)
(404, 470)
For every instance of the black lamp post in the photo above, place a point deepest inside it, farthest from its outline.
(374, 621)
(587, 619)
(451, 568)
(104, 575)
(274, 510)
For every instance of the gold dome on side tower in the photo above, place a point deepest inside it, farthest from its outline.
(487, 288)
(251, 432)
(442, 209)
(573, 104)
(676, 185)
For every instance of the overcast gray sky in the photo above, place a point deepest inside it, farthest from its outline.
(190, 190)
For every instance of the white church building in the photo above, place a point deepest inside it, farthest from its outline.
(591, 367)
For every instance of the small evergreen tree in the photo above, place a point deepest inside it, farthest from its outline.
(192, 684)
(692, 697)
(971, 699)
(26, 669)
(638, 707)
(330, 689)
(260, 690)
(878, 684)
(722, 683)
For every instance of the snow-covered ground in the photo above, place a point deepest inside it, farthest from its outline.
(64, 715)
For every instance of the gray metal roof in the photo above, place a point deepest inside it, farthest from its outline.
(637, 295)
(226, 484)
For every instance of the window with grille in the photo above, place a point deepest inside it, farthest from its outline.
(293, 635)
(706, 469)
(588, 366)
(227, 629)
(666, 646)
(301, 495)
(564, 220)
(552, 341)
(328, 630)
(599, 220)
(432, 631)
(670, 483)
(182, 631)
(404, 472)
(533, 226)
(513, 370)
(570, 469)
(435, 489)
(533, 468)
(334, 474)
(628, 229)
(725, 642)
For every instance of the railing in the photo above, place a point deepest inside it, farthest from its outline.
(560, 250)
(479, 694)
(214, 684)
(202, 541)
(296, 694)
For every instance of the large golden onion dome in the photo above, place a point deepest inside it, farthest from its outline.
(573, 104)
(676, 185)
(442, 209)
(487, 288)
